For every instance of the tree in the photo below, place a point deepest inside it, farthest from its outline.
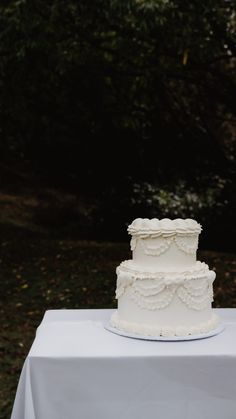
(143, 90)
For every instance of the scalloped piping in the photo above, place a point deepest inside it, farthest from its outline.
(159, 298)
(157, 250)
(154, 300)
(195, 292)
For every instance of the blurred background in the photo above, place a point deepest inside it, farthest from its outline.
(109, 110)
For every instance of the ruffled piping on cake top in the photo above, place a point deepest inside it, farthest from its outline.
(155, 227)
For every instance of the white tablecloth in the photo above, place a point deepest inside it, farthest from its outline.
(78, 370)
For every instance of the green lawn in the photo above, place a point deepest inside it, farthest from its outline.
(41, 273)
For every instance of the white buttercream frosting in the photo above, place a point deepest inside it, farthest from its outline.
(165, 329)
(155, 290)
(166, 227)
(199, 268)
(163, 290)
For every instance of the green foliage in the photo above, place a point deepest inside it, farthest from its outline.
(70, 66)
(112, 93)
(181, 199)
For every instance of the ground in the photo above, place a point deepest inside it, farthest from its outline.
(39, 272)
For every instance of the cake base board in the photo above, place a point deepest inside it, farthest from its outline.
(213, 332)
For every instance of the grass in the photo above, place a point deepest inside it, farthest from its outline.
(40, 273)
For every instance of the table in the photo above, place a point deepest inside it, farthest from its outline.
(78, 370)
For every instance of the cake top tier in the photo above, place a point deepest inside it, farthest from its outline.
(165, 227)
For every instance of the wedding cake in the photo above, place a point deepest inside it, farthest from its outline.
(163, 290)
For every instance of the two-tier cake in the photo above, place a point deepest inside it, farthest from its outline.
(163, 290)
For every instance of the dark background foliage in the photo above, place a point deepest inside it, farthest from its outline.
(120, 109)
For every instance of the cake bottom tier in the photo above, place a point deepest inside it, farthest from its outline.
(166, 330)
(165, 304)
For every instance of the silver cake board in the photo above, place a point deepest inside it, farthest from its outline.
(213, 332)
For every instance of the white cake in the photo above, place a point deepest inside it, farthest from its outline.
(163, 290)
